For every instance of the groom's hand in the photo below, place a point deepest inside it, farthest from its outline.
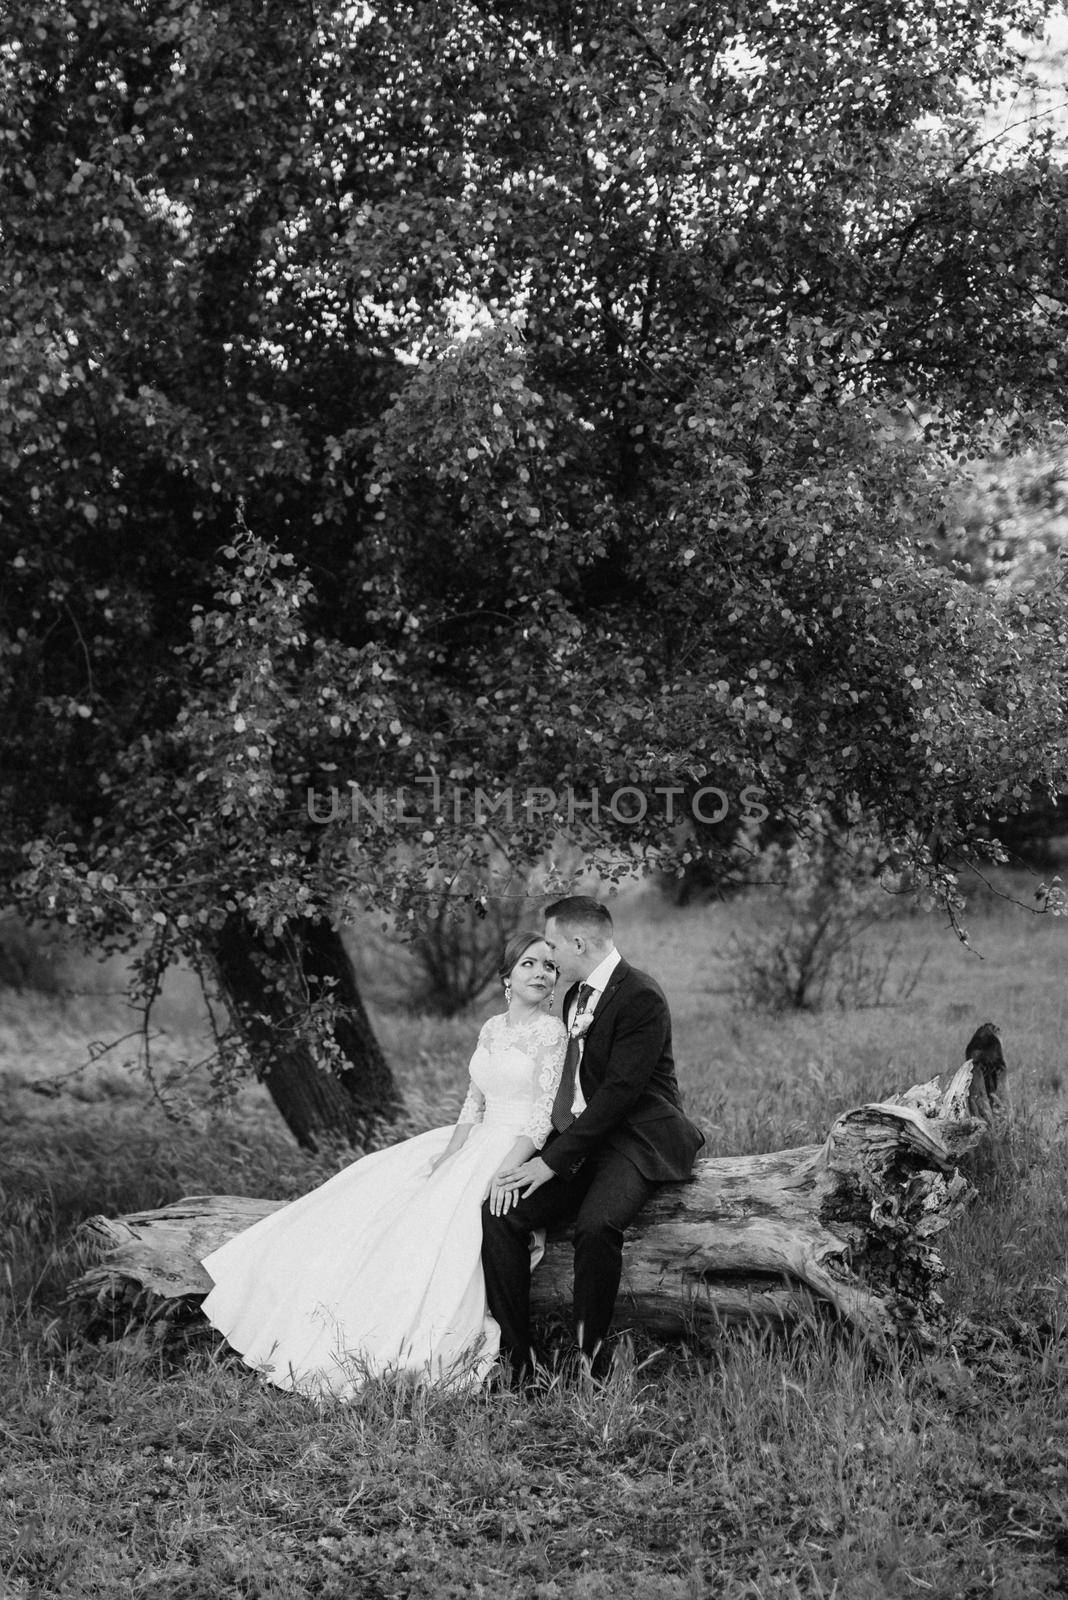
(527, 1177)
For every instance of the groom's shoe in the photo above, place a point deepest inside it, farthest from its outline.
(510, 1377)
(613, 1355)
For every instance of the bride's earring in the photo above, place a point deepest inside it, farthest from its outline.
(552, 994)
(507, 989)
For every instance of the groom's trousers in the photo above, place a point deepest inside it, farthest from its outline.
(602, 1198)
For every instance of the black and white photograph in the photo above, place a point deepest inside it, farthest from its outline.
(533, 800)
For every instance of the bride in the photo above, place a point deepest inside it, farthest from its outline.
(379, 1270)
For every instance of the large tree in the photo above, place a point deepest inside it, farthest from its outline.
(589, 377)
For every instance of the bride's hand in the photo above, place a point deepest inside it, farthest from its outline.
(436, 1163)
(502, 1197)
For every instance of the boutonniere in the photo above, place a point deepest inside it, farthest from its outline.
(581, 1025)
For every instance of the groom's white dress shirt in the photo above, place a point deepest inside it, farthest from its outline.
(598, 982)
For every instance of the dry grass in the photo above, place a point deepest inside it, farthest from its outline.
(762, 1468)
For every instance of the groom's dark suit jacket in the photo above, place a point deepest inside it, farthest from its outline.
(627, 1077)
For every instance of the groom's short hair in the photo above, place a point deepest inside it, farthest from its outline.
(582, 911)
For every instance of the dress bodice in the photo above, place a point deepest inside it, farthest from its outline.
(515, 1073)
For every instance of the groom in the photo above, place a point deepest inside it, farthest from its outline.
(619, 1130)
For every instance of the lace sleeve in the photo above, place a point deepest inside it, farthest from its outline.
(474, 1105)
(547, 1048)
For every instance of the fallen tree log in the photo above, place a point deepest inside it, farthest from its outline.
(851, 1223)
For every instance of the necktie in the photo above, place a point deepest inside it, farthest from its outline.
(562, 1115)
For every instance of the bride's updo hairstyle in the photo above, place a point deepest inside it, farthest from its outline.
(516, 948)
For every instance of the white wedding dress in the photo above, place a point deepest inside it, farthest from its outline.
(379, 1270)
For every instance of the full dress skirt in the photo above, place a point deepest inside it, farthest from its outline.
(378, 1271)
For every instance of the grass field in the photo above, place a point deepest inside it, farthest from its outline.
(761, 1467)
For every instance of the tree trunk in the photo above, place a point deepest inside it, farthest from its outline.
(269, 986)
(849, 1223)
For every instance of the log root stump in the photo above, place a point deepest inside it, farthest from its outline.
(851, 1224)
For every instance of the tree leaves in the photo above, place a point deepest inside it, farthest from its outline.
(601, 375)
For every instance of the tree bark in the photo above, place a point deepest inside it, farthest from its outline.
(850, 1223)
(269, 985)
